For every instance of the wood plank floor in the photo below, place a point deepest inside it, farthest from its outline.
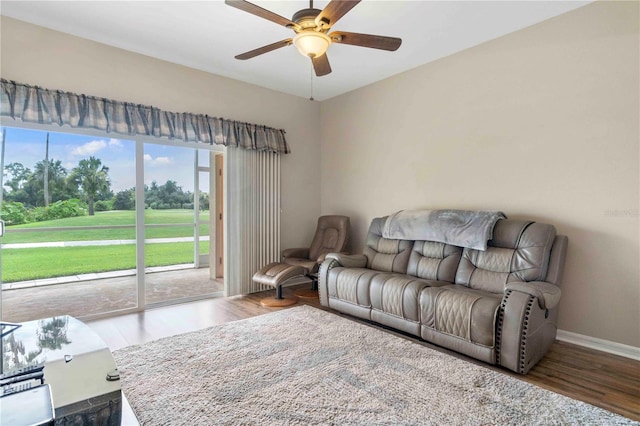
(608, 381)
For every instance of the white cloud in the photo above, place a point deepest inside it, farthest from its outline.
(158, 161)
(89, 148)
(115, 143)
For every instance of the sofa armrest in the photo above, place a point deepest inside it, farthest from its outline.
(348, 260)
(299, 252)
(323, 256)
(548, 294)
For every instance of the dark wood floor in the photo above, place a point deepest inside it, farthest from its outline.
(608, 381)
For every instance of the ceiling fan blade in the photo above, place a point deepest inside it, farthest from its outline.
(335, 10)
(321, 65)
(366, 40)
(264, 49)
(262, 13)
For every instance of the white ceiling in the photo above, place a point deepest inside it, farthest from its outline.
(206, 35)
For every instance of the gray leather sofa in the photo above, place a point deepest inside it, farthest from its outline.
(499, 305)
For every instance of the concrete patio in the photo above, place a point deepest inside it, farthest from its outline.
(81, 296)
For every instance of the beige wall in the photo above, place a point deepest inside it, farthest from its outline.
(39, 56)
(541, 124)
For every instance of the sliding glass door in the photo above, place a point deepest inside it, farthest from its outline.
(177, 226)
(96, 225)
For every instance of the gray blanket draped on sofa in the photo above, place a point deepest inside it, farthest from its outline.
(460, 228)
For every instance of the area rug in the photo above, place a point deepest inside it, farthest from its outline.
(307, 366)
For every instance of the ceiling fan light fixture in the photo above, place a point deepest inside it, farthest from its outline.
(311, 44)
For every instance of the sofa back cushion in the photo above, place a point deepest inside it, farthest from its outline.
(384, 254)
(518, 251)
(431, 260)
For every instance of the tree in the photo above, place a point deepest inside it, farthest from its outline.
(93, 178)
(204, 201)
(172, 195)
(152, 195)
(49, 177)
(17, 181)
(19, 175)
(125, 200)
(167, 196)
(47, 194)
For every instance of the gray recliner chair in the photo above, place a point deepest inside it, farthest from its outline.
(300, 265)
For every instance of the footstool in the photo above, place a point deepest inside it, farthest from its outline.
(278, 275)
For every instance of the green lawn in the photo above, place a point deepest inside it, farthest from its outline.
(37, 263)
(110, 218)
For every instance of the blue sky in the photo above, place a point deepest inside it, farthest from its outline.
(162, 162)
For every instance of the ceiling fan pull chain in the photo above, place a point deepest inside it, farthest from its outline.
(311, 84)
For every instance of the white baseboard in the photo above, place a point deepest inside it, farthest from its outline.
(599, 344)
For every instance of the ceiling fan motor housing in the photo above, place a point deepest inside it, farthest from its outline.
(306, 18)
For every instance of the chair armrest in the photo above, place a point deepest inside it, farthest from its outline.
(299, 252)
(322, 257)
(548, 294)
(348, 260)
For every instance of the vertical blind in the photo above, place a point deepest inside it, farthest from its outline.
(253, 217)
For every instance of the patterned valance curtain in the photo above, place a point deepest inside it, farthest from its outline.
(37, 105)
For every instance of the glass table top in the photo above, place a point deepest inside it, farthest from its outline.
(46, 340)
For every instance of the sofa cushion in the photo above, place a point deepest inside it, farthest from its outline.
(434, 261)
(519, 251)
(384, 254)
(398, 294)
(461, 312)
(350, 285)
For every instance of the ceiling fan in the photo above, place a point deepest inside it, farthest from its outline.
(311, 27)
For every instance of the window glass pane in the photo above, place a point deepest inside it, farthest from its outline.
(203, 158)
(70, 241)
